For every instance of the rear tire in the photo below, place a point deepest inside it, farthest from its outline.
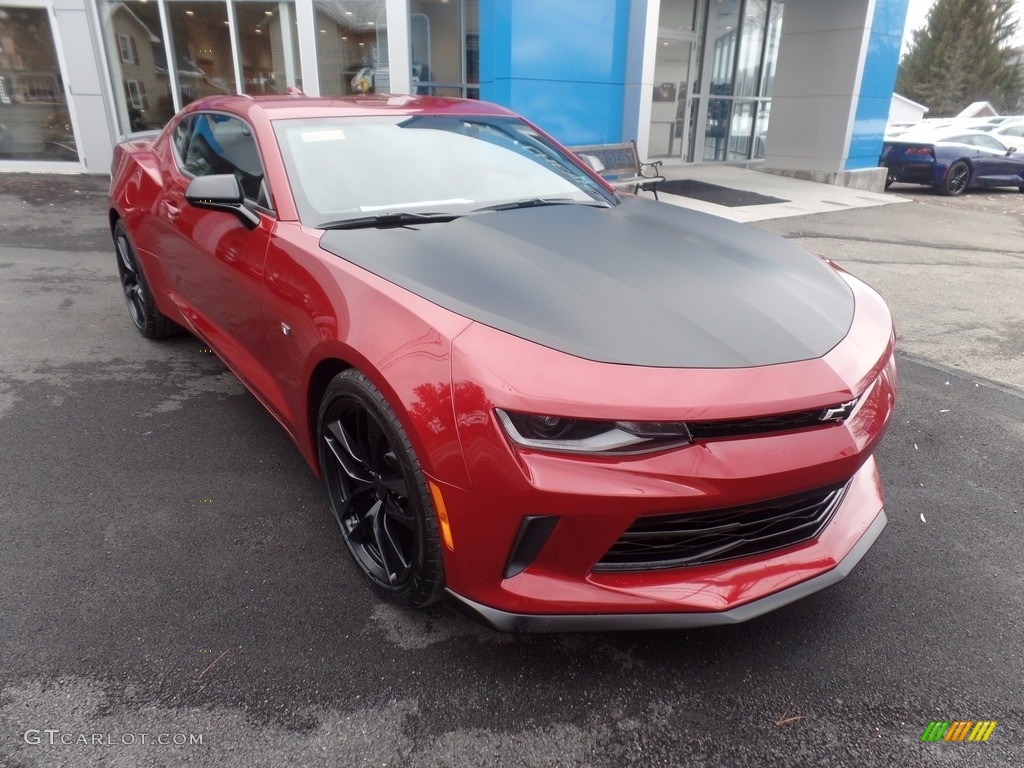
(149, 320)
(958, 177)
(378, 493)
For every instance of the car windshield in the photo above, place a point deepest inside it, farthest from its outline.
(344, 169)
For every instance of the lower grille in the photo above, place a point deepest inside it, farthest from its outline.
(702, 538)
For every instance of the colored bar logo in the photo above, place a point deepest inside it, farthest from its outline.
(958, 730)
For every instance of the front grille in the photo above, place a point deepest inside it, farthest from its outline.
(702, 538)
(736, 427)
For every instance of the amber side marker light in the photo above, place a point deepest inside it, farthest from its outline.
(442, 515)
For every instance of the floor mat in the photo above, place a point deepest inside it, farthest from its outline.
(712, 193)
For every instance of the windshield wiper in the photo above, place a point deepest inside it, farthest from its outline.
(534, 202)
(395, 219)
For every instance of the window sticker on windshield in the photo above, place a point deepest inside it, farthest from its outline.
(329, 134)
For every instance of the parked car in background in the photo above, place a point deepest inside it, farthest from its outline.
(557, 407)
(1010, 134)
(991, 123)
(952, 160)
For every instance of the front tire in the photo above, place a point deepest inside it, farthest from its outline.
(150, 321)
(378, 493)
(958, 177)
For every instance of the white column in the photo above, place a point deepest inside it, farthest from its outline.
(399, 63)
(817, 84)
(305, 17)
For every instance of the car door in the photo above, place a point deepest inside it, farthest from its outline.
(1000, 167)
(215, 263)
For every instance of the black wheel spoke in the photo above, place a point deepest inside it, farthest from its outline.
(399, 513)
(357, 515)
(396, 485)
(389, 546)
(376, 445)
(342, 448)
(124, 253)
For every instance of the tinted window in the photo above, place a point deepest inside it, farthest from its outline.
(988, 143)
(180, 137)
(224, 144)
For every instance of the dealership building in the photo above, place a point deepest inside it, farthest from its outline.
(799, 86)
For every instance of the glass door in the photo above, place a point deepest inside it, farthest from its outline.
(673, 88)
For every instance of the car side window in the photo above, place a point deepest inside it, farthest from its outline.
(180, 137)
(225, 144)
(989, 143)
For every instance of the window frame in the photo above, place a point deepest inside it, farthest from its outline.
(179, 161)
(127, 47)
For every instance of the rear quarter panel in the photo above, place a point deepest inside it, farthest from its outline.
(137, 177)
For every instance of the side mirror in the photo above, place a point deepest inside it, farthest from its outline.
(221, 192)
(1010, 151)
(594, 162)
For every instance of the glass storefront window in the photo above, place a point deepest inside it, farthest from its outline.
(677, 15)
(268, 42)
(716, 129)
(737, 58)
(34, 120)
(204, 65)
(741, 125)
(352, 47)
(761, 128)
(723, 19)
(444, 47)
(138, 64)
(771, 54)
(201, 40)
(748, 65)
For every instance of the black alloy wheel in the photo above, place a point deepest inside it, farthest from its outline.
(150, 321)
(377, 492)
(958, 176)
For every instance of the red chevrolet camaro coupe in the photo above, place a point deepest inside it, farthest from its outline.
(556, 407)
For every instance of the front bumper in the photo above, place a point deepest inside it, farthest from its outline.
(590, 503)
(506, 621)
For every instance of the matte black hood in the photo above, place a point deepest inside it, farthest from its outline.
(642, 283)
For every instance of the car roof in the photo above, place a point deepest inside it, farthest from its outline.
(301, 106)
(937, 135)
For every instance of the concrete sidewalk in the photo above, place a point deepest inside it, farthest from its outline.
(803, 197)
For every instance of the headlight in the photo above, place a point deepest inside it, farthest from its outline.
(556, 433)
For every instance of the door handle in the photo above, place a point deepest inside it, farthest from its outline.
(171, 211)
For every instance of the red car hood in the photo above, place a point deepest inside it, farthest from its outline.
(642, 283)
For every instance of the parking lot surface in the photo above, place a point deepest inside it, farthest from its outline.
(173, 591)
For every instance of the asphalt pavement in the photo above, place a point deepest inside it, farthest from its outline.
(173, 591)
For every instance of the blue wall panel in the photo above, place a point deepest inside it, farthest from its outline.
(562, 65)
(877, 83)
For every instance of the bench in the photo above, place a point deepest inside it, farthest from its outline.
(620, 165)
